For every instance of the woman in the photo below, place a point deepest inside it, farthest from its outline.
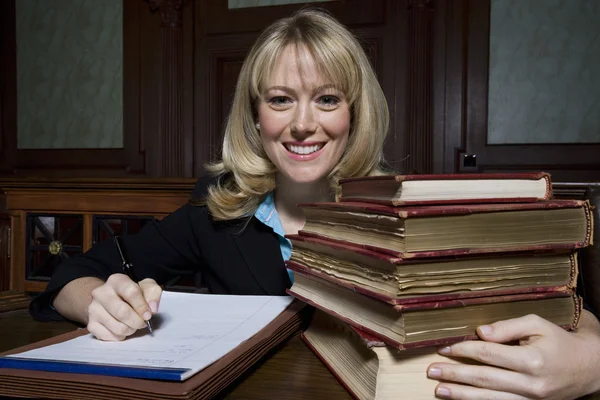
(307, 110)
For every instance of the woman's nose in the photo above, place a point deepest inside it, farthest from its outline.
(304, 122)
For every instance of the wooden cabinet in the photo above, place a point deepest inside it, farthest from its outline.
(51, 220)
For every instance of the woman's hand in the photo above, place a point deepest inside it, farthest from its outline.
(547, 363)
(120, 307)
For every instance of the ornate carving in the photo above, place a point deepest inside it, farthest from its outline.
(170, 11)
(55, 247)
(420, 3)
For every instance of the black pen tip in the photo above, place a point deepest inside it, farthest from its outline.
(149, 326)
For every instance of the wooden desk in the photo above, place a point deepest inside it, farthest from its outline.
(291, 372)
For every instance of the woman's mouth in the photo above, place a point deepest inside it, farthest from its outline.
(304, 152)
(304, 149)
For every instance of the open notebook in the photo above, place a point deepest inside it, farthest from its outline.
(204, 340)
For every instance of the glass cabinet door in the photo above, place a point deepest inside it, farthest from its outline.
(50, 240)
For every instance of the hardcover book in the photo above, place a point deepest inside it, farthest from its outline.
(422, 324)
(399, 190)
(382, 275)
(366, 367)
(452, 230)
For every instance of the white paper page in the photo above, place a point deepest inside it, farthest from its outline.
(190, 331)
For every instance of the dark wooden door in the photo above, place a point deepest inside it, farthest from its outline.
(462, 94)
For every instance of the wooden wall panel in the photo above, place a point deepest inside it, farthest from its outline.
(419, 101)
(8, 87)
(73, 162)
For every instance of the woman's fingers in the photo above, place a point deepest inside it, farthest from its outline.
(462, 392)
(132, 294)
(110, 297)
(121, 306)
(104, 326)
(516, 358)
(481, 376)
(152, 293)
(102, 333)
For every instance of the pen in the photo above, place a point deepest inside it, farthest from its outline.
(127, 268)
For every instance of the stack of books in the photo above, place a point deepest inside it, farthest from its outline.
(399, 265)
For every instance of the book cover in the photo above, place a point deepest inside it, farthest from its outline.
(441, 298)
(434, 189)
(346, 305)
(391, 230)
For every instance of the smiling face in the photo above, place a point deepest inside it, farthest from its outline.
(304, 119)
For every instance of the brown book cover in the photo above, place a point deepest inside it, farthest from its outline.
(320, 213)
(204, 385)
(391, 190)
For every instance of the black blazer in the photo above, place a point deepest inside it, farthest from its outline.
(234, 257)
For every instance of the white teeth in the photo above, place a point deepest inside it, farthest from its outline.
(304, 149)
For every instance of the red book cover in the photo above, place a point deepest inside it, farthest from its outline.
(394, 184)
(443, 210)
(451, 210)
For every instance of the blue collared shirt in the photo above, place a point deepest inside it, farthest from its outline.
(267, 214)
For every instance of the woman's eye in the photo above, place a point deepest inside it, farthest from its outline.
(279, 101)
(329, 101)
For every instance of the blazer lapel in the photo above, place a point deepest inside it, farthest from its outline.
(260, 250)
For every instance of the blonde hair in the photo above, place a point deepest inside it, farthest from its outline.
(246, 173)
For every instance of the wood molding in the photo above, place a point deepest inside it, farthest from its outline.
(11, 300)
(170, 11)
(5, 239)
(449, 131)
(419, 99)
(174, 158)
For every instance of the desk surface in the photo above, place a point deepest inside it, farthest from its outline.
(291, 372)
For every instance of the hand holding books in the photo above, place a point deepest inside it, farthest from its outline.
(546, 363)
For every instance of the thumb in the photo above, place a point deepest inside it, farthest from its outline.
(152, 293)
(514, 329)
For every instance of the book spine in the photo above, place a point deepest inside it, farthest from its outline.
(548, 195)
(574, 271)
(578, 304)
(589, 238)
